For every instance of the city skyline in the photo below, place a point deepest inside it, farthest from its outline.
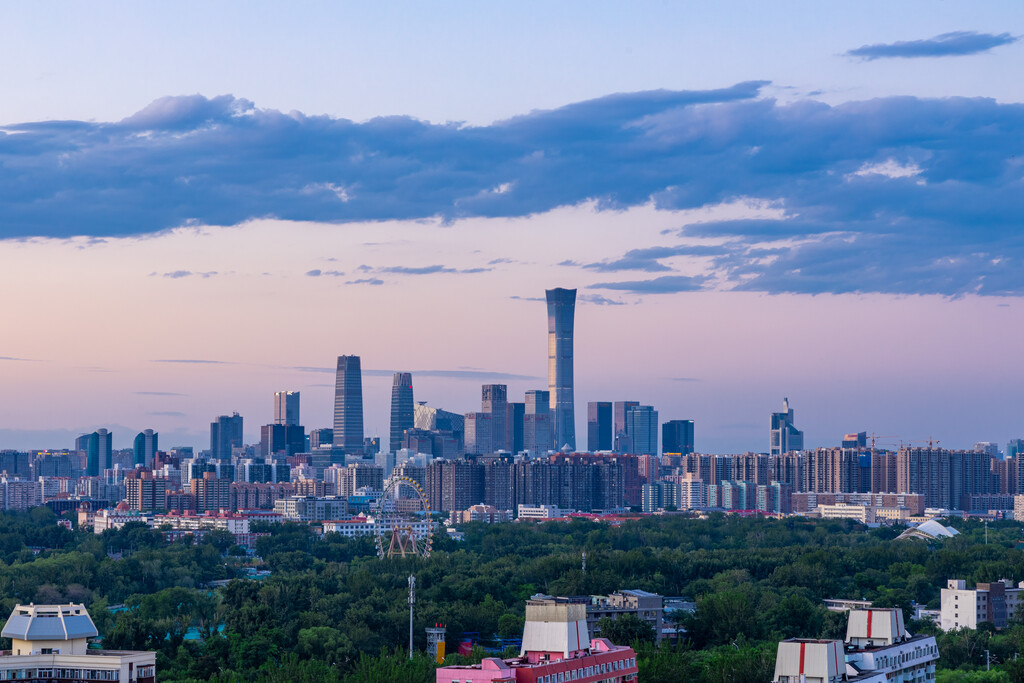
(823, 208)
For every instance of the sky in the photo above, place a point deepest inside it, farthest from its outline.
(203, 204)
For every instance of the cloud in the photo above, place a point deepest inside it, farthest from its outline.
(19, 360)
(649, 259)
(194, 361)
(476, 375)
(316, 272)
(527, 298)
(599, 300)
(954, 44)
(896, 195)
(422, 270)
(178, 274)
(666, 284)
(157, 393)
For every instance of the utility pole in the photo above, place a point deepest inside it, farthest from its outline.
(988, 660)
(986, 532)
(412, 601)
(584, 562)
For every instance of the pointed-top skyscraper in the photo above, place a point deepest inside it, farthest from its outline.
(348, 405)
(561, 317)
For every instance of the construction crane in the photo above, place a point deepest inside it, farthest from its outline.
(875, 437)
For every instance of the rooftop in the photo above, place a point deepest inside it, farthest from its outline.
(49, 622)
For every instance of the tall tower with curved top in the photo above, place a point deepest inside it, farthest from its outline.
(561, 316)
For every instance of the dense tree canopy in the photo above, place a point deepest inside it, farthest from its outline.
(331, 611)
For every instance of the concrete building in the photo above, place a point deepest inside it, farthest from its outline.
(860, 513)
(487, 514)
(877, 649)
(647, 607)
(17, 494)
(367, 526)
(111, 519)
(556, 647)
(144, 492)
(52, 641)
(541, 512)
(311, 509)
(963, 607)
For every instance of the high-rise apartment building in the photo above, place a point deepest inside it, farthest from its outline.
(537, 422)
(494, 402)
(561, 318)
(348, 405)
(677, 437)
(286, 408)
(642, 428)
(225, 434)
(784, 436)
(144, 492)
(599, 426)
(402, 408)
(211, 493)
(145, 447)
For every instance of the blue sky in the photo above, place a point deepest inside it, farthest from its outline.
(662, 157)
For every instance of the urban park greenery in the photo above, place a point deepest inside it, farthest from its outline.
(331, 611)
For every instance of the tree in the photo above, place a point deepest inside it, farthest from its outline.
(628, 628)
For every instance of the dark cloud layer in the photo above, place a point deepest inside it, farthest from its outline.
(901, 194)
(954, 44)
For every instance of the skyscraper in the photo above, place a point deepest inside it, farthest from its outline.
(621, 442)
(348, 405)
(494, 402)
(286, 408)
(145, 447)
(561, 317)
(402, 408)
(599, 426)
(514, 426)
(784, 436)
(99, 453)
(642, 428)
(537, 422)
(225, 434)
(677, 437)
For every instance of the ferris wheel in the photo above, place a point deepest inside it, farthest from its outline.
(403, 523)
